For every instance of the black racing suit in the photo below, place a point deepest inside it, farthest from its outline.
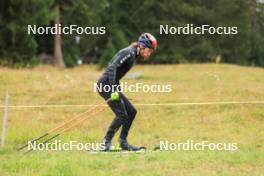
(124, 111)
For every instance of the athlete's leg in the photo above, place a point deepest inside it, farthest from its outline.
(131, 114)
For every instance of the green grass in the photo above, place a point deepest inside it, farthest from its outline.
(240, 123)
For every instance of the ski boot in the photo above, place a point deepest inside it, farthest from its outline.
(106, 145)
(126, 146)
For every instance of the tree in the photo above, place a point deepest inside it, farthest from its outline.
(124, 22)
(17, 47)
(58, 58)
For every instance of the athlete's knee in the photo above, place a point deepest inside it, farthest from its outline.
(133, 113)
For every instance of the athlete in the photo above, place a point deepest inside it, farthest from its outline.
(124, 111)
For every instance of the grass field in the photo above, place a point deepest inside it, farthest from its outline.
(236, 123)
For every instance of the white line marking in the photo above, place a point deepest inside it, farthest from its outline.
(138, 104)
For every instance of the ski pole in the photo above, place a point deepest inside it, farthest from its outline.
(62, 125)
(70, 127)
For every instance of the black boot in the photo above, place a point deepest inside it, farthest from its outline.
(125, 146)
(106, 145)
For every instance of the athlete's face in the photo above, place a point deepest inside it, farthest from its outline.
(145, 53)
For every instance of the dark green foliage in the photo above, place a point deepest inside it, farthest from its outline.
(125, 21)
(108, 54)
(17, 48)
